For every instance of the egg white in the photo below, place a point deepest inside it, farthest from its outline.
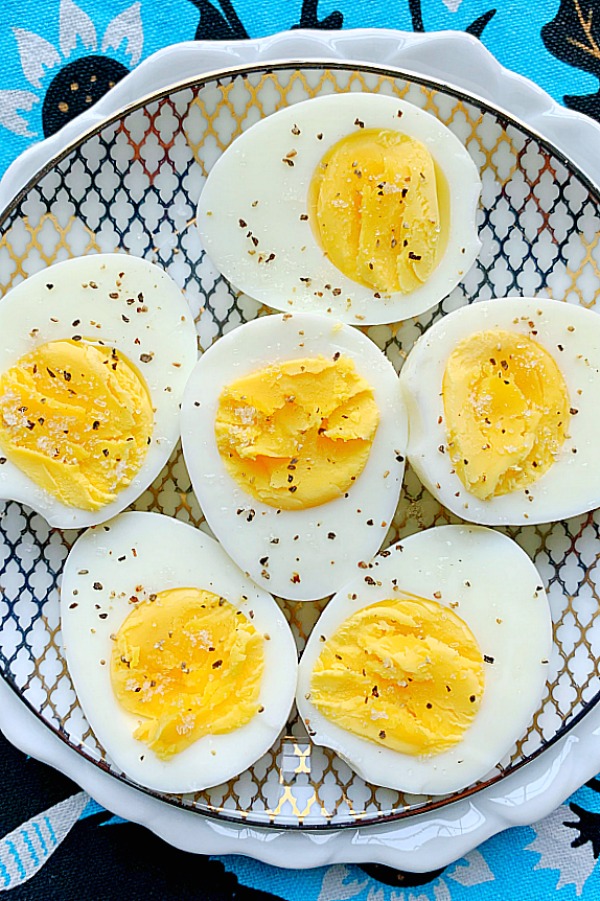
(159, 326)
(251, 189)
(161, 553)
(572, 484)
(303, 563)
(491, 578)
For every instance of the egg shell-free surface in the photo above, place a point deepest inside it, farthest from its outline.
(491, 578)
(312, 552)
(571, 334)
(157, 335)
(161, 553)
(251, 189)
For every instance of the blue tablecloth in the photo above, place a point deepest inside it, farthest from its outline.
(557, 44)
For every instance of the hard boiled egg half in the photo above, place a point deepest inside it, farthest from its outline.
(94, 357)
(359, 206)
(425, 670)
(503, 406)
(185, 670)
(293, 433)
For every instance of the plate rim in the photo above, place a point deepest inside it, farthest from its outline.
(83, 133)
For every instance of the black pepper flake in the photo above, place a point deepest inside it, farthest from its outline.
(295, 578)
(114, 295)
(320, 136)
(50, 373)
(359, 123)
(73, 605)
(50, 287)
(382, 734)
(288, 161)
(76, 337)
(303, 217)
(487, 659)
(103, 615)
(331, 535)
(67, 376)
(120, 559)
(243, 223)
(573, 411)
(413, 256)
(96, 425)
(76, 322)
(292, 488)
(263, 561)
(105, 451)
(428, 705)
(295, 130)
(472, 699)
(125, 318)
(146, 358)
(374, 692)
(399, 458)
(217, 664)
(369, 522)
(93, 285)
(97, 586)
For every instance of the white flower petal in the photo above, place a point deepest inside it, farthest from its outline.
(340, 884)
(25, 850)
(553, 842)
(35, 53)
(10, 102)
(126, 26)
(75, 23)
(474, 871)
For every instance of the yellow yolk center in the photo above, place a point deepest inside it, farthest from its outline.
(507, 411)
(77, 419)
(299, 433)
(405, 673)
(379, 209)
(188, 664)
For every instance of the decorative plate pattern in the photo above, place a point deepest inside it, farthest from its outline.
(132, 185)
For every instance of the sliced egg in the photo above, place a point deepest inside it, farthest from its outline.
(95, 355)
(184, 669)
(357, 205)
(502, 399)
(293, 433)
(424, 671)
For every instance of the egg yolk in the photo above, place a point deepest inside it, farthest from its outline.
(405, 673)
(188, 664)
(507, 411)
(77, 419)
(378, 206)
(299, 433)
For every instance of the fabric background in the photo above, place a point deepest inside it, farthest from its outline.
(55, 843)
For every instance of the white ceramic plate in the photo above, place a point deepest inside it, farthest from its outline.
(399, 834)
